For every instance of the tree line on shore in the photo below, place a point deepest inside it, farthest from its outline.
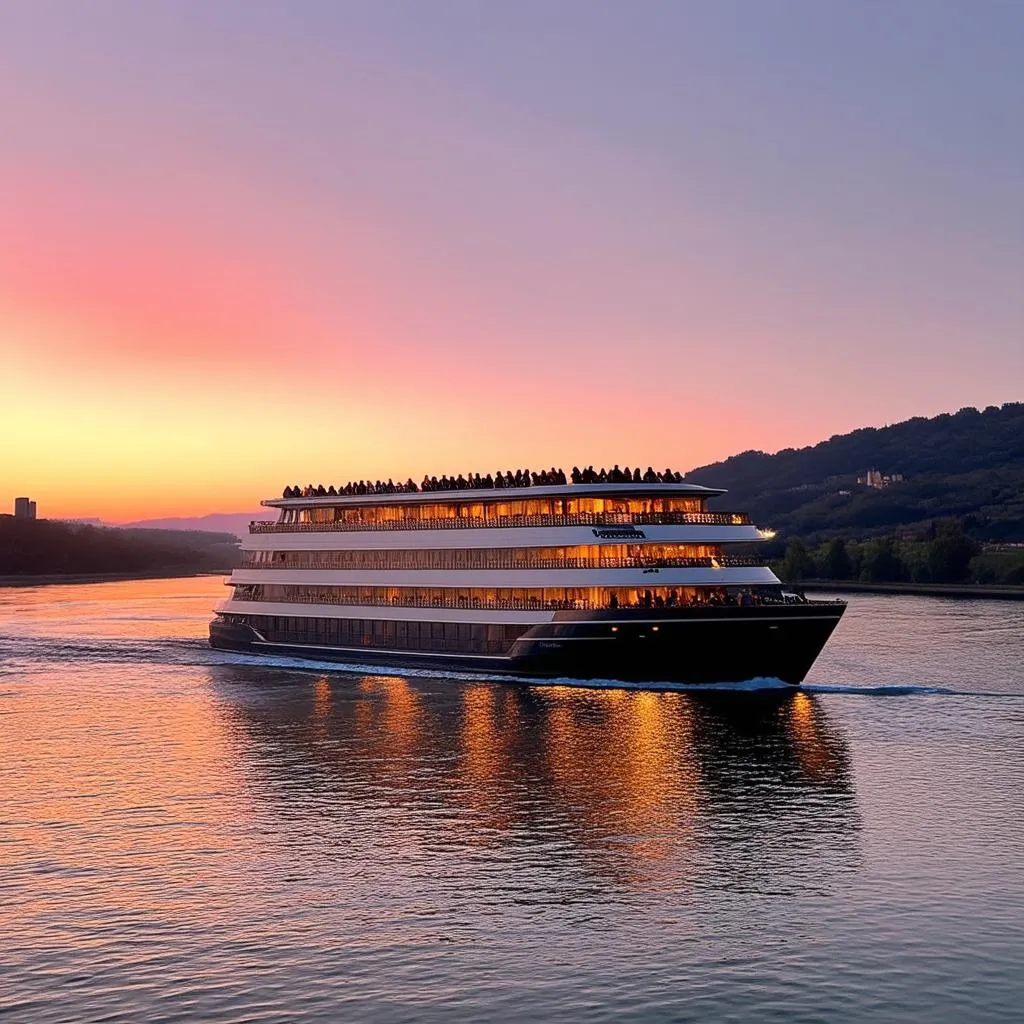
(943, 554)
(49, 548)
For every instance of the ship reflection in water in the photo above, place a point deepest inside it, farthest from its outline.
(608, 785)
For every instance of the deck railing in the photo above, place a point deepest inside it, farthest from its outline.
(607, 520)
(510, 604)
(383, 561)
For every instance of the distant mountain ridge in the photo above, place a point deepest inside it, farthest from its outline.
(968, 465)
(216, 522)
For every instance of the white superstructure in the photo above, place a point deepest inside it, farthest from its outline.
(492, 556)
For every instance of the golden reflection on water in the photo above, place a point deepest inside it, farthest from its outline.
(816, 745)
(322, 704)
(483, 743)
(628, 776)
(490, 732)
(396, 713)
(626, 770)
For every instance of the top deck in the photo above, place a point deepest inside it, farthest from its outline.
(499, 494)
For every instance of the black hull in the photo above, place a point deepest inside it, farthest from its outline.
(690, 646)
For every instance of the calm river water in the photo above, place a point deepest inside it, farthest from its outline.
(191, 835)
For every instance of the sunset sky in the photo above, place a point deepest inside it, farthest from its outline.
(244, 244)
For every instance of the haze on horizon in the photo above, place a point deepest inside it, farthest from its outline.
(250, 244)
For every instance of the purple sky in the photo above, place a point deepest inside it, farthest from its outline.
(390, 238)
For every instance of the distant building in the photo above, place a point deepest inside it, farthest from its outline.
(24, 508)
(877, 479)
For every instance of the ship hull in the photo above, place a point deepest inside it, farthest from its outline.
(694, 646)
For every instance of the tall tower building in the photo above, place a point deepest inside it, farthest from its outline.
(24, 508)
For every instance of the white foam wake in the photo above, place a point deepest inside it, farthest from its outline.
(882, 690)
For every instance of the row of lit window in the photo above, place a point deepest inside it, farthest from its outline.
(495, 510)
(483, 597)
(583, 556)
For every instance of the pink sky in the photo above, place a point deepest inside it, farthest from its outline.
(245, 246)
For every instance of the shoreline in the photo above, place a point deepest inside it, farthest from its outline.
(977, 591)
(53, 579)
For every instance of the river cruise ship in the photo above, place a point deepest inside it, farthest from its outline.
(601, 576)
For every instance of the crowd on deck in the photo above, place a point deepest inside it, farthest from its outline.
(718, 597)
(500, 481)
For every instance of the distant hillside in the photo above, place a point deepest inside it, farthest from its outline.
(969, 465)
(236, 523)
(48, 548)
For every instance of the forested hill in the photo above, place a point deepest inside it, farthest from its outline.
(43, 547)
(968, 465)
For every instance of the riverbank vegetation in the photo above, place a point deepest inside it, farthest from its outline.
(943, 554)
(49, 548)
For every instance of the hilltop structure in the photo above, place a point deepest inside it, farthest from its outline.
(878, 480)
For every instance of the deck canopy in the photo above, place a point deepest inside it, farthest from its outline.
(500, 494)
